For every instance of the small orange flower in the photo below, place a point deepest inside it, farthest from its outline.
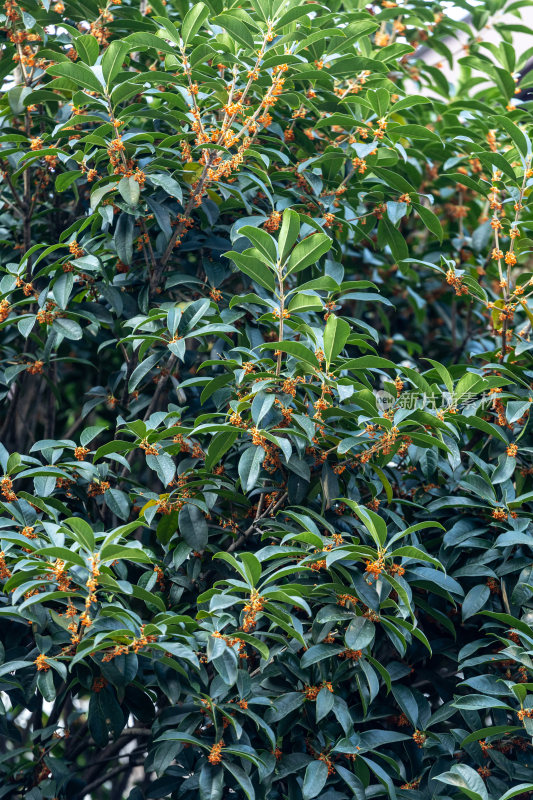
(215, 756)
(419, 738)
(41, 663)
(80, 453)
(273, 222)
(510, 259)
(5, 572)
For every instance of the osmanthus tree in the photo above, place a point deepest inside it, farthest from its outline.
(266, 380)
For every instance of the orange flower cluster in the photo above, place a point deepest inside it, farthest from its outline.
(499, 514)
(35, 367)
(412, 785)
(396, 569)
(80, 453)
(351, 655)
(344, 599)
(485, 747)
(41, 662)
(215, 754)
(289, 385)
(46, 315)
(401, 721)
(510, 258)
(385, 443)
(59, 575)
(5, 572)
(97, 488)
(160, 580)
(6, 487)
(273, 222)
(491, 140)
(5, 308)
(360, 165)
(136, 645)
(99, 683)
(456, 282)
(419, 738)
(512, 450)
(149, 449)
(231, 641)
(91, 584)
(327, 761)
(375, 568)
(251, 609)
(75, 249)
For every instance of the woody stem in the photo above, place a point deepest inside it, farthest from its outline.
(281, 312)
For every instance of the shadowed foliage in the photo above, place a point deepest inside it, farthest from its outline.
(265, 380)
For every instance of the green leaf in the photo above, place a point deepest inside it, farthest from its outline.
(289, 232)
(79, 73)
(308, 252)
(262, 240)
(375, 525)
(296, 349)
(478, 702)
(315, 779)
(318, 652)
(241, 777)
(254, 268)
(168, 30)
(220, 444)
(475, 600)
(466, 779)
(408, 551)
(83, 533)
(430, 220)
(87, 47)
(193, 526)
(66, 179)
(124, 238)
(63, 553)
(68, 328)
(249, 466)
(142, 369)
(236, 28)
(359, 633)
(520, 139)
(336, 335)
(130, 190)
(484, 733)
(521, 788)
(211, 782)
(113, 59)
(413, 132)
(63, 288)
(118, 503)
(193, 21)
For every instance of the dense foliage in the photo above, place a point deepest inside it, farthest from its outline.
(265, 379)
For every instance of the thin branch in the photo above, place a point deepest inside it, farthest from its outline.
(270, 511)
